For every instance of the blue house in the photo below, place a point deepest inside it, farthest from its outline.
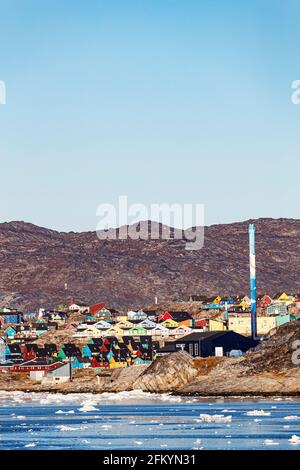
(10, 332)
(86, 350)
(13, 352)
(12, 318)
(77, 363)
(212, 307)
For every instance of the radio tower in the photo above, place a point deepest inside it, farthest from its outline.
(252, 280)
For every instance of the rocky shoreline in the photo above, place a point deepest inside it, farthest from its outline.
(268, 370)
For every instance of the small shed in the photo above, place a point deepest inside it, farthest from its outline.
(61, 374)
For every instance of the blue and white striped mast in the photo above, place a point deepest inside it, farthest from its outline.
(252, 281)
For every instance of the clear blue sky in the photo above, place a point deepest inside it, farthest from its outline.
(160, 100)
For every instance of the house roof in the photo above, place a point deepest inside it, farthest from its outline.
(14, 348)
(204, 335)
(181, 316)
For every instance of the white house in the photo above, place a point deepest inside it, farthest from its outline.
(81, 308)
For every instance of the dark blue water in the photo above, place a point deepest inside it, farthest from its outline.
(133, 420)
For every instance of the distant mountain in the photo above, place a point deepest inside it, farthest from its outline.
(35, 264)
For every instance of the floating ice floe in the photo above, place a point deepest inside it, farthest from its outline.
(292, 418)
(65, 428)
(270, 442)
(258, 413)
(61, 412)
(88, 406)
(31, 444)
(215, 418)
(294, 439)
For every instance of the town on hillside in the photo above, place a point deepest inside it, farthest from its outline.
(51, 345)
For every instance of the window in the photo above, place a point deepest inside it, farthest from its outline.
(191, 349)
(196, 349)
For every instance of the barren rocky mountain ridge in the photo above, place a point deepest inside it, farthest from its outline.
(37, 262)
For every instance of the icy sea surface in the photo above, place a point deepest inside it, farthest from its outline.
(137, 420)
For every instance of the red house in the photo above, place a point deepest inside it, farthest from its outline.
(265, 301)
(93, 309)
(165, 316)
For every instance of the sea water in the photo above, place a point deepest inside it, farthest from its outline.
(137, 420)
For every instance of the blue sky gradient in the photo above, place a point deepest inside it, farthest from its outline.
(161, 100)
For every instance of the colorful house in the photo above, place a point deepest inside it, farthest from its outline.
(242, 324)
(102, 325)
(10, 332)
(212, 306)
(183, 319)
(160, 331)
(283, 319)
(284, 298)
(10, 318)
(13, 352)
(124, 325)
(165, 316)
(277, 309)
(139, 315)
(147, 324)
(181, 331)
(103, 314)
(169, 323)
(76, 307)
(216, 325)
(264, 301)
(137, 331)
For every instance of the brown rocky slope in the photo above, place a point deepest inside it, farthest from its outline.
(37, 262)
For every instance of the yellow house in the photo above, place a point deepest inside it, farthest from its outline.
(216, 325)
(124, 324)
(217, 300)
(115, 365)
(244, 304)
(242, 324)
(169, 323)
(121, 318)
(90, 332)
(113, 331)
(284, 298)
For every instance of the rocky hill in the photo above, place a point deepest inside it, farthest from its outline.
(37, 262)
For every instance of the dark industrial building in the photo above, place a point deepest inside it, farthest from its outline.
(209, 343)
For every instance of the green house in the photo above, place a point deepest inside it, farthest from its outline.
(137, 331)
(61, 354)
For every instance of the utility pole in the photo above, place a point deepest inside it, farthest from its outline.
(226, 315)
(252, 281)
(66, 289)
